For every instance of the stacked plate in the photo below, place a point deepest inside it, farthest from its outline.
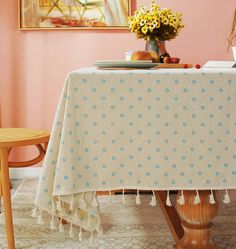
(125, 64)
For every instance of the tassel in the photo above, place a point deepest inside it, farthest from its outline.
(212, 200)
(197, 199)
(153, 202)
(137, 199)
(63, 209)
(83, 204)
(61, 227)
(71, 231)
(80, 234)
(35, 213)
(58, 205)
(89, 219)
(72, 202)
(110, 196)
(168, 202)
(52, 223)
(123, 197)
(53, 207)
(40, 219)
(226, 197)
(76, 216)
(99, 230)
(181, 199)
(94, 201)
(91, 236)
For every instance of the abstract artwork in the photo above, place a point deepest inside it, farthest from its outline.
(70, 14)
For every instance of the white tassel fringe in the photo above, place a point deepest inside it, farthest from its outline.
(181, 199)
(80, 234)
(76, 216)
(137, 199)
(72, 204)
(35, 213)
(61, 227)
(153, 201)
(168, 202)
(71, 231)
(197, 199)
(40, 219)
(91, 236)
(58, 205)
(226, 197)
(52, 223)
(83, 204)
(212, 199)
(94, 201)
(123, 197)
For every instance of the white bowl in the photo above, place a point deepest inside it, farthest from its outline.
(234, 52)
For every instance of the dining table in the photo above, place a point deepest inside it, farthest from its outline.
(158, 130)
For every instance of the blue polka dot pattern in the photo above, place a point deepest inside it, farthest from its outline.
(143, 129)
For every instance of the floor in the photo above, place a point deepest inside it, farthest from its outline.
(15, 183)
(129, 227)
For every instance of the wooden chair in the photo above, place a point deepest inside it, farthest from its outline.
(10, 138)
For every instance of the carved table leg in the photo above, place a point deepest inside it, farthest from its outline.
(196, 220)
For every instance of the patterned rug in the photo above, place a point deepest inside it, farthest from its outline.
(126, 226)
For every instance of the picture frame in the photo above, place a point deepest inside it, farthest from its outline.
(73, 14)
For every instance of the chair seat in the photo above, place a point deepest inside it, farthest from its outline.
(10, 137)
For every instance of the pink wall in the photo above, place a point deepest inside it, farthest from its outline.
(33, 64)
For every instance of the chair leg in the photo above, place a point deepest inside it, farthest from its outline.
(7, 197)
(1, 194)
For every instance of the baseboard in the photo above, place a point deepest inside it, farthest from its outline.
(20, 173)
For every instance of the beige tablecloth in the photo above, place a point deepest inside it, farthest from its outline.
(138, 129)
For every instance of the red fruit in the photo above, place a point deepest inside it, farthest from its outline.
(167, 59)
(174, 60)
(198, 66)
(185, 66)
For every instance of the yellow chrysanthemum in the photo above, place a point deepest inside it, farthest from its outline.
(143, 22)
(155, 23)
(165, 21)
(144, 29)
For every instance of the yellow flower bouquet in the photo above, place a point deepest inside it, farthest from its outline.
(155, 23)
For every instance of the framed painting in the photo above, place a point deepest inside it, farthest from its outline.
(74, 14)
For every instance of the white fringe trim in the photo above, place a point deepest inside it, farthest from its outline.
(40, 220)
(80, 234)
(123, 197)
(137, 199)
(91, 236)
(226, 197)
(168, 202)
(61, 227)
(35, 213)
(82, 203)
(197, 199)
(153, 201)
(52, 223)
(71, 233)
(181, 199)
(212, 199)
(94, 201)
(72, 204)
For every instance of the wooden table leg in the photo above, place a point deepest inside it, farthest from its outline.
(171, 216)
(196, 220)
(7, 197)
